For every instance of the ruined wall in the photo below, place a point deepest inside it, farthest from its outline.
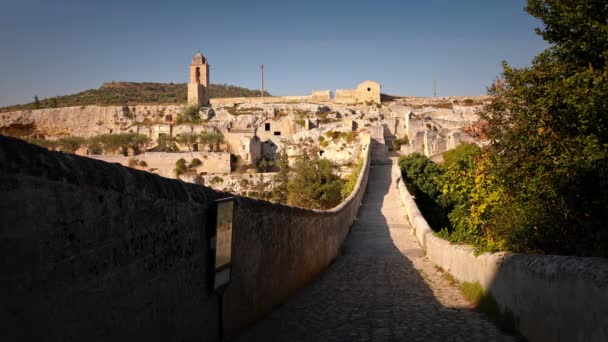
(549, 297)
(367, 91)
(95, 251)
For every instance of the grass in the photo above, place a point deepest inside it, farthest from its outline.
(485, 302)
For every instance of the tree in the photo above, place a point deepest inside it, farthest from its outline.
(577, 29)
(70, 144)
(189, 114)
(37, 104)
(166, 143)
(188, 139)
(53, 102)
(281, 179)
(548, 125)
(313, 184)
(122, 142)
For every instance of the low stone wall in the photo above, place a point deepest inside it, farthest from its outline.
(267, 99)
(95, 251)
(551, 298)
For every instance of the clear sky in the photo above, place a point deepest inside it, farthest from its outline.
(59, 47)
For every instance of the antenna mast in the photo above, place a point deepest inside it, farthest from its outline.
(262, 74)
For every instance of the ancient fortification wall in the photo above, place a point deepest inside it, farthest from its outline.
(78, 233)
(550, 298)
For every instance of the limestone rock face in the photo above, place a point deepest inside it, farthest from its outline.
(87, 121)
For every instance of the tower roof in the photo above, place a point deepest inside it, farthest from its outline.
(199, 58)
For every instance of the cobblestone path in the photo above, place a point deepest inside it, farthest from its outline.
(381, 287)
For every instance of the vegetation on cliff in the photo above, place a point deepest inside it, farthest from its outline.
(132, 93)
(104, 143)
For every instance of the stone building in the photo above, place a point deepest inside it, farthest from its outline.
(366, 91)
(198, 87)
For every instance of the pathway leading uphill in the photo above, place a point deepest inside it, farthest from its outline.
(380, 288)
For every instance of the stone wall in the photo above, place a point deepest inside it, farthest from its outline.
(163, 163)
(551, 298)
(95, 251)
(218, 102)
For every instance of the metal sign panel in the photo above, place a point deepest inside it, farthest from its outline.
(221, 243)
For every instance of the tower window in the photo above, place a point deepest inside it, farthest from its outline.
(369, 89)
(198, 75)
(277, 133)
(267, 126)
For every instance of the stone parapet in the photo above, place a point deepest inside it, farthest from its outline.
(91, 250)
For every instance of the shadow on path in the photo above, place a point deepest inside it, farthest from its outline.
(373, 291)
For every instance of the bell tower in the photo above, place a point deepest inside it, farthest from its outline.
(198, 91)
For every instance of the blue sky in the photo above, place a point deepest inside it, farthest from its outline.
(59, 47)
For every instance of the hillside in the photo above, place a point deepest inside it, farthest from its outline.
(131, 93)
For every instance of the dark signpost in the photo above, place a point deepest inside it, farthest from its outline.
(220, 247)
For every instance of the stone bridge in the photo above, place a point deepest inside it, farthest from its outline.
(96, 251)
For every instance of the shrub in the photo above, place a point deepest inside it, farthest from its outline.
(352, 179)
(397, 143)
(143, 163)
(195, 163)
(313, 184)
(420, 176)
(133, 162)
(216, 180)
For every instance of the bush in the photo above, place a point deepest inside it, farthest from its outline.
(401, 141)
(133, 162)
(216, 180)
(142, 163)
(352, 179)
(420, 176)
(180, 167)
(195, 163)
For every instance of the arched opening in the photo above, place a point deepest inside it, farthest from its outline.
(198, 75)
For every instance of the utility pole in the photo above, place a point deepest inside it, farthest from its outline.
(262, 72)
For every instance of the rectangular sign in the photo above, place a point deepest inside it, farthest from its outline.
(223, 241)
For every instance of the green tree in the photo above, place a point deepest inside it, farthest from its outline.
(281, 179)
(122, 142)
(53, 102)
(313, 184)
(165, 143)
(188, 139)
(548, 125)
(189, 114)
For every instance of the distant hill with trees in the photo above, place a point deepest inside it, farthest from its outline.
(132, 93)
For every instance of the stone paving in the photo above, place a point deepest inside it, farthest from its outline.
(381, 287)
